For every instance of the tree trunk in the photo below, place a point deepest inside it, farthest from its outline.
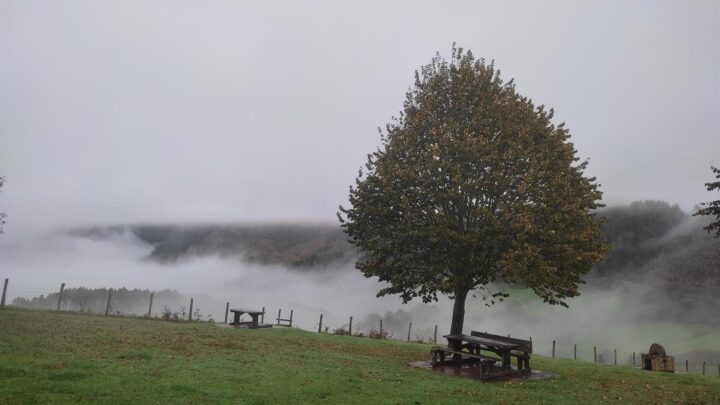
(458, 316)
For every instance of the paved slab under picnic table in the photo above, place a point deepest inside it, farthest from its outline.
(473, 370)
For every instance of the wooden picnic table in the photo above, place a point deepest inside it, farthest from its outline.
(255, 314)
(474, 344)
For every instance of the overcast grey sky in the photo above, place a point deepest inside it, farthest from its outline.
(230, 111)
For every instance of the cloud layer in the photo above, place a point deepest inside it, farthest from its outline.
(232, 111)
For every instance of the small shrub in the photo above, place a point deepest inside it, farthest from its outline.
(377, 334)
(168, 315)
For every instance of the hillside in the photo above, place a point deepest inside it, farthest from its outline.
(661, 259)
(53, 357)
(642, 234)
(298, 246)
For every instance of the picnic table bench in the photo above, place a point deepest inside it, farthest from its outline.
(439, 353)
(521, 351)
(467, 348)
(254, 314)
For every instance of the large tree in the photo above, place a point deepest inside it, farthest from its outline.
(472, 185)
(712, 208)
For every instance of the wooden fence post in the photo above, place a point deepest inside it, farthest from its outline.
(191, 308)
(320, 324)
(595, 353)
(2, 302)
(409, 328)
(152, 294)
(278, 318)
(435, 335)
(350, 327)
(381, 334)
(107, 308)
(615, 353)
(553, 352)
(633, 359)
(575, 351)
(262, 316)
(62, 288)
(291, 314)
(227, 310)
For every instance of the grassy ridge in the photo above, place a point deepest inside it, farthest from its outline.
(48, 357)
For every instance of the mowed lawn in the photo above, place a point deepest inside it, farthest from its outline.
(48, 357)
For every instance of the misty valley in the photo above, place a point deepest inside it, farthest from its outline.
(426, 202)
(660, 279)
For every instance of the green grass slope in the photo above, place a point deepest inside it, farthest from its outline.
(48, 357)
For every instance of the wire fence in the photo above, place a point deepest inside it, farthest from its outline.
(172, 305)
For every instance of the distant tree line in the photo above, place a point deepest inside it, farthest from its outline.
(83, 299)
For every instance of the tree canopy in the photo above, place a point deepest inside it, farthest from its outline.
(712, 208)
(473, 184)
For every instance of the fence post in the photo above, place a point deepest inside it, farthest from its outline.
(615, 354)
(227, 310)
(2, 302)
(320, 325)
(107, 308)
(291, 314)
(435, 335)
(703, 367)
(62, 288)
(381, 334)
(595, 353)
(633, 359)
(191, 307)
(553, 352)
(262, 316)
(575, 351)
(687, 366)
(152, 294)
(350, 327)
(409, 328)
(278, 319)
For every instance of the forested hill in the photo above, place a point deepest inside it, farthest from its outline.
(663, 253)
(298, 246)
(653, 237)
(662, 260)
(648, 237)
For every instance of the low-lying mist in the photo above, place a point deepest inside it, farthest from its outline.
(627, 316)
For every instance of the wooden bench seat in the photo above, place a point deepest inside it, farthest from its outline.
(519, 354)
(438, 356)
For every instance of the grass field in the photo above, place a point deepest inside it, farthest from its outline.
(48, 357)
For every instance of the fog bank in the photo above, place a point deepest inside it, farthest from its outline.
(621, 317)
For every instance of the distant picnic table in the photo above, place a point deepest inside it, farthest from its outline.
(254, 314)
